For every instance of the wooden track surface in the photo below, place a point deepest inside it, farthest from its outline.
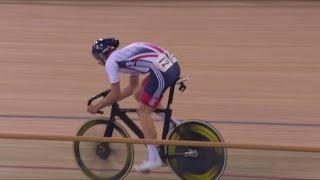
(254, 69)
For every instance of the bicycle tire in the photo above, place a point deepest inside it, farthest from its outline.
(92, 173)
(210, 162)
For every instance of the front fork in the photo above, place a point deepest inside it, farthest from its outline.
(103, 149)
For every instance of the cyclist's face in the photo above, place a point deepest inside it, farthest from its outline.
(105, 56)
(101, 62)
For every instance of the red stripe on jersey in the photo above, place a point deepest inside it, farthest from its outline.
(144, 56)
(140, 56)
(155, 47)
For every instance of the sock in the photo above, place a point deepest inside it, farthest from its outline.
(153, 152)
(162, 115)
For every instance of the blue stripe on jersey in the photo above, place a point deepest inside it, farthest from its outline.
(161, 83)
(141, 50)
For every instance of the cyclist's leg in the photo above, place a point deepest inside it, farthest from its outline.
(147, 123)
(162, 115)
(151, 94)
(139, 90)
(153, 90)
(149, 130)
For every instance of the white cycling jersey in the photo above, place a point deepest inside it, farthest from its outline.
(136, 58)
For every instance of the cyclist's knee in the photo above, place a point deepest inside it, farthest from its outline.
(145, 110)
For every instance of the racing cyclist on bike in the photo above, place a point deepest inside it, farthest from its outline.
(134, 59)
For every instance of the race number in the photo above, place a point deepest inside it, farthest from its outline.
(165, 61)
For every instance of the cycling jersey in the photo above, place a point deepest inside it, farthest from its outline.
(140, 58)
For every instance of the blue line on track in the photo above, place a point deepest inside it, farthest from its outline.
(242, 176)
(263, 123)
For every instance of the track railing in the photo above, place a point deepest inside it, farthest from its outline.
(160, 142)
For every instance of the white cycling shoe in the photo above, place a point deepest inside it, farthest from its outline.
(148, 165)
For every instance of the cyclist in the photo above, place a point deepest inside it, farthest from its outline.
(134, 59)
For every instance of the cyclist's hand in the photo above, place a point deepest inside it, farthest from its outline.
(92, 109)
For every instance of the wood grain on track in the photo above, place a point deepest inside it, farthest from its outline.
(254, 69)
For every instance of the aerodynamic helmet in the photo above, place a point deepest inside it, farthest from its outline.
(103, 46)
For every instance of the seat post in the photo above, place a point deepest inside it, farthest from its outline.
(168, 113)
(170, 98)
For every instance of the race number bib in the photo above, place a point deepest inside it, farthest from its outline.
(165, 61)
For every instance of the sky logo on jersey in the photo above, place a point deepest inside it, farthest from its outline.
(130, 63)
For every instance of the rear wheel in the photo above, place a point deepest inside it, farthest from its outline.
(101, 160)
(196, 163)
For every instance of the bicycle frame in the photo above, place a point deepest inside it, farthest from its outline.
(122, 114)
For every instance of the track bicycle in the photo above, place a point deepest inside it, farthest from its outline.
(113, 161)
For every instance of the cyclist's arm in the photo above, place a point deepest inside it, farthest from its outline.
(117, 95)
(133, 83)
(111, 98)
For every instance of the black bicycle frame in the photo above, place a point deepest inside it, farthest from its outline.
(116, 111)
(122, 114)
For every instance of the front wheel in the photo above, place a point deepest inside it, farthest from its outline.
(102, 160)
(196, 163)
